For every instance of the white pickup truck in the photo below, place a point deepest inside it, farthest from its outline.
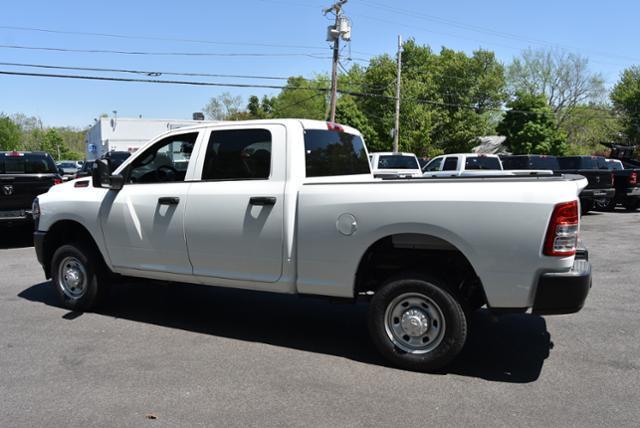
(394, 165)
(290, 206)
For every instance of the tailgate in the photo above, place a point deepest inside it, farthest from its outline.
(18, 191)
(598, 179)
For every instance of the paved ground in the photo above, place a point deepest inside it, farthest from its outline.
(194, 356)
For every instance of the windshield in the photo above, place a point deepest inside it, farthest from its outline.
(27, 163)
(482, 162)
(397, 162)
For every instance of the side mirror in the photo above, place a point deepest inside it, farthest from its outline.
(102, 177)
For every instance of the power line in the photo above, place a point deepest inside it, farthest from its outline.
(203, 54)
(156, 73)
(485, 30)
(156, 38)
(281, 87)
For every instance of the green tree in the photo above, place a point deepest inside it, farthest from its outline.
(9, 134)
(626, 101)
(588, 126)
(530, 126)
(564, 78)
(301, 98)
(223, 106)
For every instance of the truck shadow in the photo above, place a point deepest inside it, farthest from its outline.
(510, 349)
(16, 236)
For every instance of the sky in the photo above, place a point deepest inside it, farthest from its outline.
(285, 37)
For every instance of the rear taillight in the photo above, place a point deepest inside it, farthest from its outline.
(633, 178)
(562, 234)
(57, 181)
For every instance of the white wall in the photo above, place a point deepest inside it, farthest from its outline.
(127, 134)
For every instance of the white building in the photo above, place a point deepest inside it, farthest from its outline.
(127, 134)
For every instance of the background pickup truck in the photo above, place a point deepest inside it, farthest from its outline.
(600, 189)
(626, 185)
(23, 176)
(463, 164)
(290, 206)
(394, 165)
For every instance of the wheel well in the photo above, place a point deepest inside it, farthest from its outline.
(411, 251)
(65, 232)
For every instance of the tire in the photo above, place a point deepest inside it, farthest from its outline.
(606, 205)
(417, 323)
(632, 204)
(79, 277)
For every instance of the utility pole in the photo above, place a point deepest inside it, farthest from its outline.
(340, 29)
(396, 129)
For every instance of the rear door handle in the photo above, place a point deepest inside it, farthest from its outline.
(262, 200)
(169, 200)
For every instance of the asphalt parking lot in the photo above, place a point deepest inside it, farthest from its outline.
(183, 355)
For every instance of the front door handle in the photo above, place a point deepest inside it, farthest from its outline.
(169, 200)
(262, 200)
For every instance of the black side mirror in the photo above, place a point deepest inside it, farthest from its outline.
(102, 177)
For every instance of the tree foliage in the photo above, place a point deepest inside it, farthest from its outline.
(530, 126)
(563, 78)
(626, 101)
(223, 106)
(9, 134)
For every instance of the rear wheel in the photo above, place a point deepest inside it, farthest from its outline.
(417, 323)
(78, 276)
(605, 204)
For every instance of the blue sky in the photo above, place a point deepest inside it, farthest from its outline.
(606, 32)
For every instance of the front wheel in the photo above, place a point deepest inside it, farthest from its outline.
(78, 277)
(417, 323)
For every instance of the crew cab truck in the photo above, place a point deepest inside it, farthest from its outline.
(600, 190)
(23, 176)
(463, 164)
(291, 206)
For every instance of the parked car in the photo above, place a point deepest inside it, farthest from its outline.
(290, 206)
(85, 170)
(389, 165)
(116, 158)
(463, 164)
(68, 169)
(627, 187)
(601, 181)
(23, 176)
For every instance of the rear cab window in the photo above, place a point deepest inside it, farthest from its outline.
(583, 162)
(397, 162)
(333, 153)
(27, 163)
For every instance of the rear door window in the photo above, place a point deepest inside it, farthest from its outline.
(238, 154)
(450, 164)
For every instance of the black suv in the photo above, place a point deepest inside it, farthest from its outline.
(23, 176)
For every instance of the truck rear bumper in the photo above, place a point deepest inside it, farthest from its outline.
(632, 192)
(598, 194)
(564, 293)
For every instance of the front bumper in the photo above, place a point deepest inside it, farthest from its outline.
(15, 216)
(38, 243)
(566, 292)
(593, 194)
